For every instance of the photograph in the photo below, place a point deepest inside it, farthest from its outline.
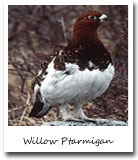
(68, 65)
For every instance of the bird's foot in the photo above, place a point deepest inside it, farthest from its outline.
(86, 119)
(71, 118)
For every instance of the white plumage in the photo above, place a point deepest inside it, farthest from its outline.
(77, 87)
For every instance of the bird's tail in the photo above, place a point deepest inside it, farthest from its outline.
(39, 108)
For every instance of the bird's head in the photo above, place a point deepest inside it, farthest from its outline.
(90, 20)
(88, 23)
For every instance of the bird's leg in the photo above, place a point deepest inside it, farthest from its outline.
(78, 113)
(66, 115)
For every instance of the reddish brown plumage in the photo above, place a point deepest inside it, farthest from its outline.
(85, 28)
(85, 45)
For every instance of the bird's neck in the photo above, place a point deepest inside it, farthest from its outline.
(85, 36)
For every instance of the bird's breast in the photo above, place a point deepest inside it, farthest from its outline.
(73, 85)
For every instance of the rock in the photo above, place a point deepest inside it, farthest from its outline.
(98, 122)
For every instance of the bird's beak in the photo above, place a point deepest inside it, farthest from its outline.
(103, 17)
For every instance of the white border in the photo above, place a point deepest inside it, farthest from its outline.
(122, 136)
(68, 2)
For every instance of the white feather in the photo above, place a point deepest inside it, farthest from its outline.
(36, 88)
(90, 64)
(77, 87)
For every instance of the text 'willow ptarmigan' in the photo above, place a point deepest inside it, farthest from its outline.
(76, 75)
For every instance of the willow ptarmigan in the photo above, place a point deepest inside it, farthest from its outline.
(76, 75)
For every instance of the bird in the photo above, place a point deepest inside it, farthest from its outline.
(76, 75)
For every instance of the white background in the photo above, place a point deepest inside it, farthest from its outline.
(122, 132)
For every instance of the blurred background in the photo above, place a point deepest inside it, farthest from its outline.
(36, 31)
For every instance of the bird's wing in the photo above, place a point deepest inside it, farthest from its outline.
(38, 106)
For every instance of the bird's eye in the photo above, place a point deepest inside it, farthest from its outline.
(92, 17)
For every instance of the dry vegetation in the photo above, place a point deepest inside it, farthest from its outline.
(35, 31)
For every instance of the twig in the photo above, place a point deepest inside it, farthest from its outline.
(30, 120)
(14, 109)
(61, 20)
(22, 117)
